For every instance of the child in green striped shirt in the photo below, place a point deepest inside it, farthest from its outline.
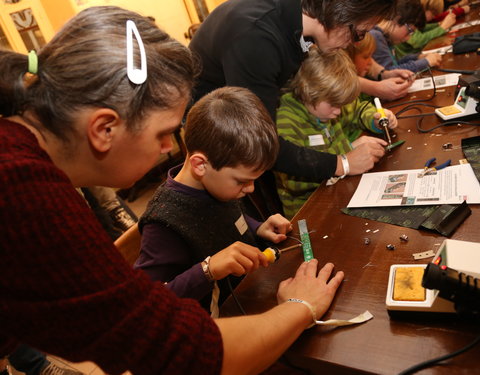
(322, 101)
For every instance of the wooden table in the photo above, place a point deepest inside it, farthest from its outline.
(384, 345)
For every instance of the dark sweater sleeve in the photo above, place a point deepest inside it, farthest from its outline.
(66, 289)
(164, 256)
(304, 162)
(412, 63)
(247, 64)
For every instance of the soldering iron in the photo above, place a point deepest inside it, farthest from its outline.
(383, 121)
(273, 254)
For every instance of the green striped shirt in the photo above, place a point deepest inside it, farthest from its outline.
(297, 125)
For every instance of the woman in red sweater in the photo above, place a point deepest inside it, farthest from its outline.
(96, 107)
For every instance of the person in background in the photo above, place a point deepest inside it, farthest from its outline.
(371, 74)
(91, 109)
(433, 29)
(112, 212)
(388, 33)
(195, 233)
(260, 44)
(361, 54)
(321, 111)
(439, 12)
(449, 3)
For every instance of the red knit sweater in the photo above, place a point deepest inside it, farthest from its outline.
(458, 11)
(65, 289)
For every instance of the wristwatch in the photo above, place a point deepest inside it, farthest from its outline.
(206, 269)
(379, 77)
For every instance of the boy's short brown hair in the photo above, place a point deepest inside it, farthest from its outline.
(232, 127)
(330, 78)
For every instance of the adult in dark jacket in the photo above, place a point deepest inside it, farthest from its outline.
(260, 44)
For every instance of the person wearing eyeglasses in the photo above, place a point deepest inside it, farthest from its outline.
(260, 44)
(438, 24)
(388, 33)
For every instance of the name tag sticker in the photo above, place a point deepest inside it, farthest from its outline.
(316, 140)
(241, 225)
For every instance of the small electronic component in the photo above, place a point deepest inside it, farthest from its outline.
(390, 247)
(447, 146)
(404, 238)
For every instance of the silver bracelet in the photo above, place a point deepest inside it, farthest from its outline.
(206, 269)
(345, 164)
(312, 309)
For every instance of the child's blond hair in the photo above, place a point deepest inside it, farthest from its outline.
(330, 78)
(366, 45)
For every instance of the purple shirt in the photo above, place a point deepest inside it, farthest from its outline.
(164, 253)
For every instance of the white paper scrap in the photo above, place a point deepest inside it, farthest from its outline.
(363, 317)
(425, 254)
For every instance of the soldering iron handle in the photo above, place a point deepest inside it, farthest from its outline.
(272, 254)
(379, 107)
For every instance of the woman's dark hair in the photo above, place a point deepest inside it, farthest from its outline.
(85, 65)
(337, 13)
(411, 12)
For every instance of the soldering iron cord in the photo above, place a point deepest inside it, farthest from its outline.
(433, 361)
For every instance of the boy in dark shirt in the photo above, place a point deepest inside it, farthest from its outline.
(194, 231)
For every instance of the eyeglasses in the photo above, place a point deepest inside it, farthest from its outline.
(409, 28)
(357, 35)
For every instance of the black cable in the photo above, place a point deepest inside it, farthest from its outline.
(446, 123)
(362, 109)
(433, 361)
(237, 302)
(421, 116)
(456, 71)
(434, 94)
(412, 106)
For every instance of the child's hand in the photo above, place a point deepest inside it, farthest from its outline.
(448, 21)
(433, 59)
(466, 8)
(275, 228)
(392, 120)
(393, 88)
(363, 157)
(237, 259)
(400, 73)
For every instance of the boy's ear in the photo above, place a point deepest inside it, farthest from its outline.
(102, 126)
(198, 163)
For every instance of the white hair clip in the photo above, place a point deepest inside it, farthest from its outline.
(135, 75)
